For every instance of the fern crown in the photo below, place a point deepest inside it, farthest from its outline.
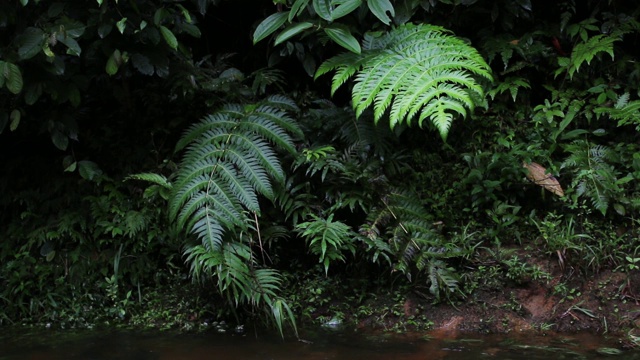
(415, 70)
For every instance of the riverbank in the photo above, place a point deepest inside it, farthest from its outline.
(543, 297)
(504, 292)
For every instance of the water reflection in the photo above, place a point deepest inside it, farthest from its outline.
(319, 344)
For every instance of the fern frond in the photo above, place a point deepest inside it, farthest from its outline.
(327, 239)
(414, 69)
(152, 178)
(237, 276)
(625, 111)
(230, 160)
(594, 176)
(585, 51)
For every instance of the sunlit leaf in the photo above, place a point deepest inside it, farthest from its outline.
(169, 37)
(113, 63)
(122, 25)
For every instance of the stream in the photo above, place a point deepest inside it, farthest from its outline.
(315, 344)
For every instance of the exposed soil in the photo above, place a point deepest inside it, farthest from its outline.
(606, 303)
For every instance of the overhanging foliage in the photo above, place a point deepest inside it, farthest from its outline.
(413, 71)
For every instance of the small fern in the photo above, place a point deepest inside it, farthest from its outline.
(327, 239)
(414, 242)
(625, 111)
(594, 176)
(586, 51)
(443, 279)
(414, 71)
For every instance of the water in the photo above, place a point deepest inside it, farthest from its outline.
(317, 344)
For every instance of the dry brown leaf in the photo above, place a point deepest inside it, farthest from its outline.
(539, 175)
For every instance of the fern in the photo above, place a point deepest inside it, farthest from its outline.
(625, 111)
(443, 279)
(510, 84)
(413, 241)
(413, 71)
(235, 269)
(594, 176)
(230, 160)
(587, 50)
(327, 239)
(161, 185)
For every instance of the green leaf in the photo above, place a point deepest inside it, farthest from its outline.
(169, 37)
(382, 9)
(586, 51)
(292, 30)
(30, 42)
(14, 78)
(269, 25)
(24, 2)
(185, 13)
(323, 9)
(15, 119)
(297, 8)
(32, 93)
(122, 25)
(60, 140)
(51, 255)
(73, 48)
(89, 170)
(69, 164)
(113, 63)
(345, 8)
(104, 30)
(343, 38)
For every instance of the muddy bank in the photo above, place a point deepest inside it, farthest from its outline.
(605, 303)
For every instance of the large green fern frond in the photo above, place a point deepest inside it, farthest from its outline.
(230, 160)
(415, 70)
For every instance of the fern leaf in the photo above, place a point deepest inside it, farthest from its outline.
(152, 178)
(585, 52)
(230, 160)
(208, 228)
(625, 111)
(417, 70)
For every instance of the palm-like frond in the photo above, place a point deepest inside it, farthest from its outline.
(413, 71)
(230, 160)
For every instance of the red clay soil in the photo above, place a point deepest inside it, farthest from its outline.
(607, 303)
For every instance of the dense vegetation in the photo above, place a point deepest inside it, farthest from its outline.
(308, 143)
